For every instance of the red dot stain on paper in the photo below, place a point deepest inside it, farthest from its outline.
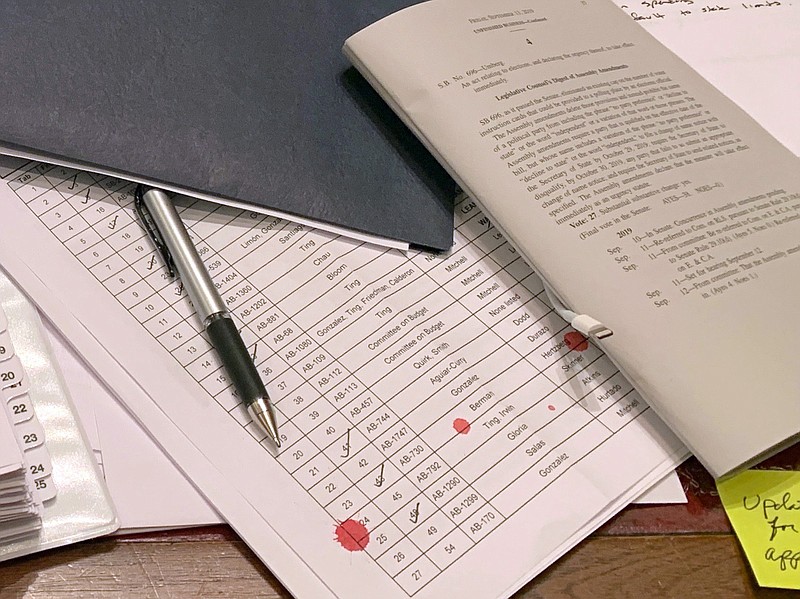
(462, 426)
(352, 535)
(576, 341)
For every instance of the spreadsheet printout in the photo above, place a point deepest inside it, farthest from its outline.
(437, 418)
(134, 466)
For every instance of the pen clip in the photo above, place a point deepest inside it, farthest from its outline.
(152, 230)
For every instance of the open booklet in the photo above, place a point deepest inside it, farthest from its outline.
(643, 195)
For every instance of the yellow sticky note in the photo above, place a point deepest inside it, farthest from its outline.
(764, 508)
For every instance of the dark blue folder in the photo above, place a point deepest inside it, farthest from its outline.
(249, 101)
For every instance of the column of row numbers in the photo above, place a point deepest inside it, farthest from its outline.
(349, 482)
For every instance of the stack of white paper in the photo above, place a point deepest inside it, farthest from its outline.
(148, 490)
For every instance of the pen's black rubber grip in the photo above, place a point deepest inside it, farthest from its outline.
(237, 361)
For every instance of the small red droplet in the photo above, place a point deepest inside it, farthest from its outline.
(352, 535)
(551, 407)
(576, 341)
(462, 426)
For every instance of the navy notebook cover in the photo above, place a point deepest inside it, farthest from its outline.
(249, 101)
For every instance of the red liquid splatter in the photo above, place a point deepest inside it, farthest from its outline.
(352, 535)
(576, 341)
(551, 407)
(462, 426)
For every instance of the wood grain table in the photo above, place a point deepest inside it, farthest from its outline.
(679, 551)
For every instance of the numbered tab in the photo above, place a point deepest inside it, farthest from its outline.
(17, 389)
(6, 347)
(20, 409)
(30, 434)
(38, 463)
(3, 320)
(11, 373)
(45, 488)
(21, 388)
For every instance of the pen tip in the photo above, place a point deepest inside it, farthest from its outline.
(270, 426)
(264, 414)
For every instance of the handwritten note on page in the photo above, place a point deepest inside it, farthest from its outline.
(764, 508)
(647, 11)
(750, 51)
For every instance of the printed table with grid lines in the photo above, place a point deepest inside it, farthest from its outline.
(423, 400)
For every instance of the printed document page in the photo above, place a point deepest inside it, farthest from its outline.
(438, 421)
(645, 197)
(147, 489)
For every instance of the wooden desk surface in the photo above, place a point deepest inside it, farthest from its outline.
(646, 551)
(216, 564)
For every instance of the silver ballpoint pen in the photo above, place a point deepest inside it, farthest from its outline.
(172, 241)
